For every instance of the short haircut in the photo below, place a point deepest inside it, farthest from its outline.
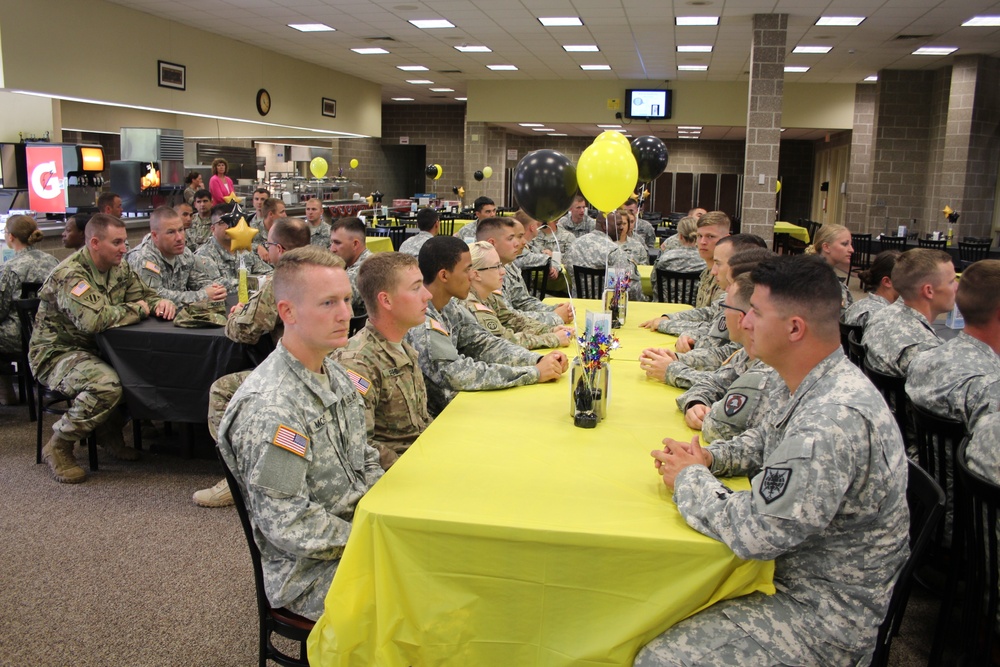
(287, 273)
(480, 202)
(687, 229)
(222, 209)
(488, 227)
(177, 207)
(827, 233)
(291, 233)
(522, 216)
(479, 250)
(80, 220)
(191, 177)
(352, 226)
(160, 215)
(978, 295)
(107, 199)
(269, 206)
(744, 260)
(99, 223)
(803, 285)
(714, 218)
(216, 162)
(262, 191)
(744, 288)
(917, 267)
(579, 197)
(202, 194)
(881, 268)
(426, 219)
(24, 229)
(440, 252)
(380, 273)
(742, 241)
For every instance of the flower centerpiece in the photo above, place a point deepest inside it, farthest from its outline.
(590, 375)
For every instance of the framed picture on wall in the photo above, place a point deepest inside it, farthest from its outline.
(171, 75)
(329, 107)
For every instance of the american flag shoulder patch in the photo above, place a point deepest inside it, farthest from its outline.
(80, 289)
(151, 265)
(437, 326)
(360, 382)
(483, 308)
(291, 440)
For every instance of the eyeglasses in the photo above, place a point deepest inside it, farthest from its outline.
(271, 244)
(490, 268)
(738, 310)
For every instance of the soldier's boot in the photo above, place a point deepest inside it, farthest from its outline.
(216, 496)
(111, 440)
(7, 394)
(58, 453)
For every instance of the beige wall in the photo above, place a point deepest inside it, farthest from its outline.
(223, 75)
(28, 115)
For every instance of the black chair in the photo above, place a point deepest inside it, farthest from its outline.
(813, 227)
(537, 279)
(784, 244)
(49, 401)
(937, 440)
(676, 286)
(934, 244)
(735, 225)
(845, 331)
(971, 252)
(270, 619)
(446, 227)
(396, 233)
(893, 390)
(589, 282)
(926, 503)
(979, 499)
(861, 260)
(29, 290)
(892, 243)
(357, 324)
(856, 351)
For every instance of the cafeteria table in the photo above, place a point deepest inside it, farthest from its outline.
(378, 243)
(507, 536)
(793, 230)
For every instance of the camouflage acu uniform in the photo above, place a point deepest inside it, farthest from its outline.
(859, 312)
(636, 251)
(357, 303)
(494, 316)
(895, 336)
(585, 226)
(520, 300)
(228, 263)
(708, 289)
(846, 298)
(696, 322)
(296, 442)
(456, 354)
(827, 503)
(683, 259)
(468, 231)
(388, 378)
(182, 278)
(559, 241)
(982, 453)
(959, 380)
(78, 301)
(319, 235)
(753, 396)
(412, 245)
(673, 241)
(596, 250)
(646, 233)
(199, 233)
(690, 366)
(26, 266)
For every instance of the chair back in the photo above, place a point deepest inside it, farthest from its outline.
(934, 244)
(893, 390)
(845, 332)
(856, 351)
(973, 252)
(784, 244)
(892, 243)
(396, 233)
(676, 286)
(446, 227)
(925, 500)
(813, 227)
(537, 279)
(357, 324)
(29, 290)
(862, 257)
(977, 506)
(937, 441)
(735, 224)
(589, 282)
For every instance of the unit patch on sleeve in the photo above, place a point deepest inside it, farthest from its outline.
(734, 403)
(774, 484)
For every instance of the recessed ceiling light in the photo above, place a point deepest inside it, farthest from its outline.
(311, 27)
(840, 20)
(595, 68)
(871, 79)
(502, 68)
(474, 49)
(692, 68)
(412, 68)
(442, 90)
(812, 49)
(982, 22)
(530, 124)
(370, 51)
(559, 21)
(935, 50)
(402, 99)
(462, 99)
(696, 20)
(420, 82)
(796, 69)
(694, 48)
(687, 136)
(428, 24)
(689, 127)
(542, 129)
(581, 48)
(557, 134)
(609, 127)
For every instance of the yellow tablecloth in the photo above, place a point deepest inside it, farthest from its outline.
(506, 536)
(378, 243)
(646, 272)
(796, 232)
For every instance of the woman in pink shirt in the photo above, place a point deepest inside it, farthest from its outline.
(220, 185)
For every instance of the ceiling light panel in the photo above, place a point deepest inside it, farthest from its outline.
(840, 20)
(812, 49)
(370, 51)
(581, 48)
(412, 68)
(935, 50)
(431, 24)
(982, 22)
(696, 20)
(311, 27)
(694, 48)
(559, 21)
(474, 49)
(502, 68)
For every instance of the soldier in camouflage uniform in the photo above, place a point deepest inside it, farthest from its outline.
(348, 240)
(633, 242)
(576, 221)
(201, 224)
(487, 305)
(827, 499)
(482, 208)
(599, 249)
(643, 229)
(88, 292)
(895, 335)
(27, 265)
(877, 280)
(982, 453)
(319, 229)
(218, 252)
(681, 255)
(428, 223)
(529, 257)
(384, 368)
(455, 353)
(293, 435)
(164, 263)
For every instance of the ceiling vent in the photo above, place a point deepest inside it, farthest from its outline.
(904, 38)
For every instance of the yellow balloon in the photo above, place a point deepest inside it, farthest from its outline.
(616, 137)
(607, 174)
(487, 172)
(440, 172)
(354, 163)
(318, 167)
(777, 187)
(242, 234)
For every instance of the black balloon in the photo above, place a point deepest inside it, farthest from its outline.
(478, 175)
(651, 156)
(431, 171)
(544, 184)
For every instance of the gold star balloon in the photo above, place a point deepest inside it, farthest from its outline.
(232, 198)
(241, 235)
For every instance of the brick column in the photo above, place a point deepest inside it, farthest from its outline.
(767, 80)
(484, 146)
(859, 175)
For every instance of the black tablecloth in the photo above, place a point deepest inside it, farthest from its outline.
(166, 371)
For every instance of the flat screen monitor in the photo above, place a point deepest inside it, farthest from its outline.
(647, 104)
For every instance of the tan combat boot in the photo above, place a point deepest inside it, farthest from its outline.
(110, 439)
(58, 453)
